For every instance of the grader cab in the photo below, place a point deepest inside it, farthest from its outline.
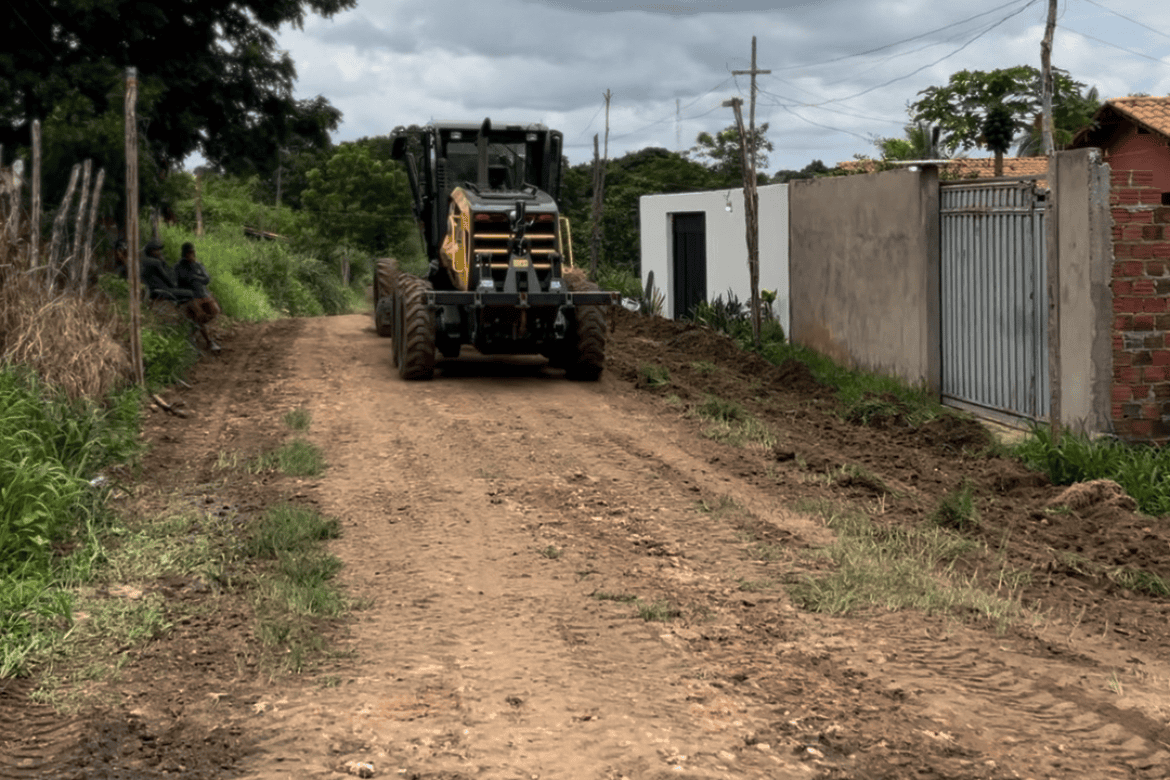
(485, 198)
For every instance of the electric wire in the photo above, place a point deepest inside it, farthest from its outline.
(1128, 19)
(1115, 46)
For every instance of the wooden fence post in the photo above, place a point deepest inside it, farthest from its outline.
(34, 233)
(133, 270)
(79, 227)
(91, 223)
(51, 266)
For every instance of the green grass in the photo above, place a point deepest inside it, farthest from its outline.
(659, 611)
(653, 376)
(1141, 470)
(621, 598)
(728, 422)
(704, 366)
(956, 510)
(895, 568)
(298, 419)
(300, 458)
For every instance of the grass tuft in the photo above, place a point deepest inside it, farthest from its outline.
(956, 510)
(298, 419)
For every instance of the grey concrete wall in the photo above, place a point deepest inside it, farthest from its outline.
(1086, 299)
(864, 271)
(727, 266)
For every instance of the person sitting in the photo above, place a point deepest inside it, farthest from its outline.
(158, 277)
(203, 308)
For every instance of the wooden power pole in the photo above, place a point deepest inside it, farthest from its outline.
(1052, 233)
(751, 207)
(599, 164)
(747, 148)
(133, 269)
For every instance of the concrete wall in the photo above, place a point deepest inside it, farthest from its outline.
(726, 243)
(1086, 301)
(864, 271)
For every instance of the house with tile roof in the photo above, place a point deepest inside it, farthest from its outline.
(1133, 135)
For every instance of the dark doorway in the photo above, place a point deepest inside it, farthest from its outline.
(689, 252)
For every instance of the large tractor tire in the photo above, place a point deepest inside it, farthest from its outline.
(584, 358)
(385, 282)
(414, 329)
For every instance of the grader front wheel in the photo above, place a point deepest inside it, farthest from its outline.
(385, 283)
(414, 334)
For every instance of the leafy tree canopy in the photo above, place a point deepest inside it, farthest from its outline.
(961, 107)
(210, 79)
(915, 145)
(720, 153)
(359, 196)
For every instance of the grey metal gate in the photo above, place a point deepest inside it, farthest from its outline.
(994, 300)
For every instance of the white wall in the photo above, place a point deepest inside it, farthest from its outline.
(727, 266)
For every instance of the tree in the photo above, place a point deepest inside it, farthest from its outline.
(359, 198)
(720, 153)
(810, 171)
(998, 130)
(210, 77)
(961, 107)
(917, 144)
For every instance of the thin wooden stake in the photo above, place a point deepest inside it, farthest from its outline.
(59, 228)
(34, 233)
(87, 246)
(133, 269)
(74, 262)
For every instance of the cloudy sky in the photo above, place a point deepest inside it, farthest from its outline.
(842, 71)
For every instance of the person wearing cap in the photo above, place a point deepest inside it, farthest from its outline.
(203, 308)
(158, 277)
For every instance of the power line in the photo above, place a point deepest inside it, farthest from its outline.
(1126, 18)
(1115, 46)
(905, 40)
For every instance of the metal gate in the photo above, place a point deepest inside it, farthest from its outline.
(994, 297)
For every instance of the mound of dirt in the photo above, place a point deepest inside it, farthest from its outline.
(1098, 491)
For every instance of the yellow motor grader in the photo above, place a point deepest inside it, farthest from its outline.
(485, 197)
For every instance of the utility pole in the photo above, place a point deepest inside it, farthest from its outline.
(1052, 233)
(751, 208)
(678, 125)
(752, 110)
(133, 270)
(599, 191)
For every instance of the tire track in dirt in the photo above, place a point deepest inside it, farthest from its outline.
(479, 655)
(36, 739)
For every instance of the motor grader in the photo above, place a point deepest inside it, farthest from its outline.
(485, 198)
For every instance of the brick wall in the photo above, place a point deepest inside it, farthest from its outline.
(1141, 314)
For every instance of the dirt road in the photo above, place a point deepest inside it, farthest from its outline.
(499, 523)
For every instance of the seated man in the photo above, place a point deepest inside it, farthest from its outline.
(203, 308)
(158, 278)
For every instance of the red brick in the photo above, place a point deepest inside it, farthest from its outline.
(1142, 178)
(1122, 321)
(1152, 232)
(1119, 178)
(1154, 305)
(1154, 374)
(1162, 214)
(1161, 250)
(1143, 251)
(1162, 392)
(1120, 216)
(1126, 374)
(1144, 217)
(1122, 393)
(1141, 392)
(1122, 287)
(1142, 287)
(1141, 428)
(1128, 305)
(1118, 345)
(1143, 322)
(1123, 359)
(1160, 357)
(1150, 412)
(1116, 411)
(1156, 267)
(1131, 233)
(1151, 197)
(1129, 197)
